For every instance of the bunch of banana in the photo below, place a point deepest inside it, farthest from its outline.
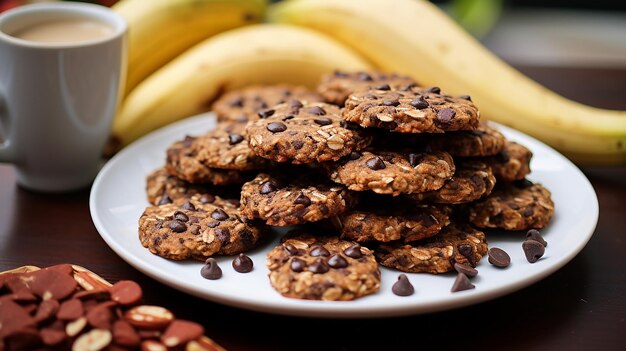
(160, 30)
(416, 38)
(256, 54)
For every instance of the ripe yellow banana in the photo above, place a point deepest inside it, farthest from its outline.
(160, 30)
(257, 54)
(416, 38)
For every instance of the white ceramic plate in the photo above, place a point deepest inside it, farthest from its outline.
(118, 198)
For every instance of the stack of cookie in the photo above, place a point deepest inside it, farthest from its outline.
(394, 174)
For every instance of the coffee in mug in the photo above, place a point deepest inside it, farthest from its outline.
(65, 31)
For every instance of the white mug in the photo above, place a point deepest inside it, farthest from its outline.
(58, 97)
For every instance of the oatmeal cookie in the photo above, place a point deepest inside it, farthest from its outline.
(520, 205)
(337, 86)
(316, 267)
(483, 141)
(390, 172)
(512, 163)
(456, 243)
(302, 132)
(190, 229)
(418, 110)
(287, 199)
(243, 105)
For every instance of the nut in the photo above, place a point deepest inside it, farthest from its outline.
(94, 340)
(149, 317)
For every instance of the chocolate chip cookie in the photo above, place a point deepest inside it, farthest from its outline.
(472, 180)
(316, 267)
(520, 205)
(417, 110)
(337, 86)
(381, 220)
(190, 229)
(303, 132)
(456, 243)
(512, 163)
(390, 172)
(288, 199)
(163, 188)
(243, 105)
(483, 141)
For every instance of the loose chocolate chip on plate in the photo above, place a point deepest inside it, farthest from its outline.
(465, 269)
(461, 283)
(533, 250)
(276, 127)
(534, 234)
(403, 286)
(242, 263)
(375, 163)
(499, 257)
(211, 270)
(235, 138)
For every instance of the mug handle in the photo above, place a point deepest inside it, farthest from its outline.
(6, 151)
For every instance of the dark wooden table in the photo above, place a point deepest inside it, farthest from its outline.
(580, 307)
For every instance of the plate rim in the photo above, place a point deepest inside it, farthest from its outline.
(313, 308)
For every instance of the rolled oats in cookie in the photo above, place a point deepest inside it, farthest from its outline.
(471, 181)
(337, 86)
(512, 163)
(417, 110)
(520, 205)
(243, 105)
(190, 229)
(456, 243)
(290, 199)
(322, 267)
(483, 141)
(391, 172)
(381, 220)
(163, 188)
(302, 132)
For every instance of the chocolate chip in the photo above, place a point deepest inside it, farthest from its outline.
(382, 87)
(165, 200)
(295, 104)
(353, 251)
(364, 77)
(337, 261)
(267, 187)
(375, 163)
(236, 102)
(466, 97)
(292, 250)
(223, 235)
(468, 252)
(419, 103)
(188, 141)
(235, 138)
(340, 74)
(316, 110)
(242, 119)
(288, 118)
(211, 270)
(276, 127)
(465, 269)
(435, 90)
(319, 251)
(207, 199)
(355, 155)
(461, 283)
(445, 115)
(297, 144)
(534, 234)
(219, 214)
(242, 263)
(177, 226)
(533, 250)
(323, 121)
(181, 216)
(391, 102)
(302, 200)
(415, 159)
(297, 265)
(499, 257)
(266, 113)
(403, 286)
(319, 266)
(188, 206)
(528, 211)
